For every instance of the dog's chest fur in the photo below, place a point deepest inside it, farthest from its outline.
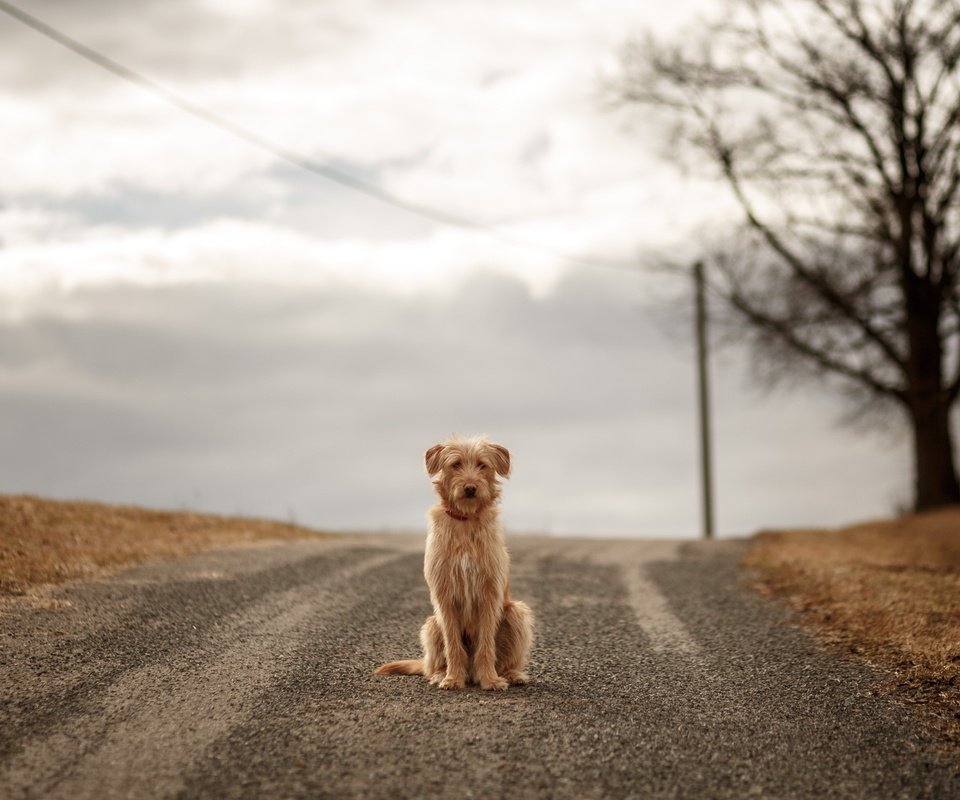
(465, 564)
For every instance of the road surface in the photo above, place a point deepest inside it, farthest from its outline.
(247, 673)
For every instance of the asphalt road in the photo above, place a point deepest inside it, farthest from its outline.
(247, 673)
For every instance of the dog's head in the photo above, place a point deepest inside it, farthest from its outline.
(464, 472)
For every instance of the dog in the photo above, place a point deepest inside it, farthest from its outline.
(476, 633)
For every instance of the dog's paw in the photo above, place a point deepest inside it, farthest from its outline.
(497, 684)
(517, 678)
(435, 678)
(452, 683)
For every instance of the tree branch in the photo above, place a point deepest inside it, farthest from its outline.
(785, 332)
(797, 265)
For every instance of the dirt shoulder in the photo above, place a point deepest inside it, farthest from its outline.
(49, 541)
(887, 592)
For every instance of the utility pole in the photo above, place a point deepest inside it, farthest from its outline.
(706, 457)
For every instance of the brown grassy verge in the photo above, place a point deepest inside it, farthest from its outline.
(886, 592)
(49, 541)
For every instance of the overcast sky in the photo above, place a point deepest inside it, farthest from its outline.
(190, 322)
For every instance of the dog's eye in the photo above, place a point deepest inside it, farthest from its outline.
(457, 465)
(483, 466)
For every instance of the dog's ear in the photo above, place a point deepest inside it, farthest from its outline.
(432, 459)
(501, 459)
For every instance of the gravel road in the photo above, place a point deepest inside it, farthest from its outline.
(247, 673)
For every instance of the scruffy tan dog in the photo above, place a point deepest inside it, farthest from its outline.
(477, 632)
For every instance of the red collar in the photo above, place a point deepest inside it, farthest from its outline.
(455, 515)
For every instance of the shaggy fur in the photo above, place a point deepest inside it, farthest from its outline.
(476, 633)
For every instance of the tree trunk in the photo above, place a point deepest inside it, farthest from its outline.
(927, 398)
(935, 473)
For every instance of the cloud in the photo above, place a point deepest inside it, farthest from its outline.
(399, 93)
(320, 402)
(188, 320)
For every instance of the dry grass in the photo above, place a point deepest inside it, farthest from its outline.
(47, 541)
(887, 592)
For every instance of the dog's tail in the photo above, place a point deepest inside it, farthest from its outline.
(413, 666)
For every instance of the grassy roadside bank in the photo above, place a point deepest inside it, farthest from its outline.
(49, 541)
(886, 592)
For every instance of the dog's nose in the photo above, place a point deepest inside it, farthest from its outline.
(470, 491)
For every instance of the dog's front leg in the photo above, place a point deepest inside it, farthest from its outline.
(485, 657)
(456, 677)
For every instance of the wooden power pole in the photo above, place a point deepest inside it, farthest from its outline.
(703, 380)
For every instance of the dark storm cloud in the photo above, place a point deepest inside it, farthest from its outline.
(321, 402)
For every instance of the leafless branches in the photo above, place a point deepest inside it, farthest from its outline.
(836, 126)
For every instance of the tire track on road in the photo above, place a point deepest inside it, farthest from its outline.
(291, 742)
(780, 715)
(654, 675)
(696, 687)
(163, 715)
(330, 728)
(181, 620)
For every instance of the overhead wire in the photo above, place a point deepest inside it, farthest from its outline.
(325, 170)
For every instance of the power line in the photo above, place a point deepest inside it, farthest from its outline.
(327, 171)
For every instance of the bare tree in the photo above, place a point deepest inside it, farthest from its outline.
(836, 126)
